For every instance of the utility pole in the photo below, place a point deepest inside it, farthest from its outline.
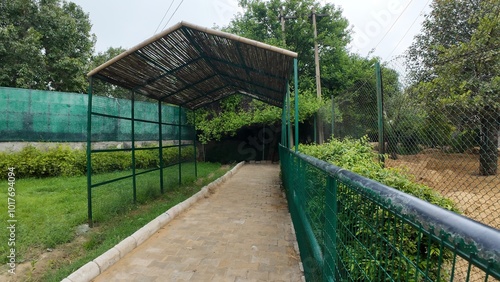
(319, 122)
(282, 20)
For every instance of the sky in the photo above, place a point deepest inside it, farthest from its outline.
(383, 28)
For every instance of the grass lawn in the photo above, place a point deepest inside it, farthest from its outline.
(48, 212)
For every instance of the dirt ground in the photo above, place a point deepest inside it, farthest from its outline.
(456, 176)
(41, 261)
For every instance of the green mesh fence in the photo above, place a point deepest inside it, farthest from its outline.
(49, 116)
(350, 228)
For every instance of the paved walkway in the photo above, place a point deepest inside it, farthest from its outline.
(242, 232)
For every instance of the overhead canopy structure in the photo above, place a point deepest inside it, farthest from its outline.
(192, 66)
(189, 66)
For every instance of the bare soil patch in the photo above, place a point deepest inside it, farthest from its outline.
(456, 176)
(32, 270)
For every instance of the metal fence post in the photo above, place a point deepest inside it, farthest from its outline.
(134, 182)
(380, 106)
(315, 128)
(296, 82)
(289, 120)
(160, 145)
(333, 116)
(180, 147)
(89, 153)
(283, 122)
(194, 145)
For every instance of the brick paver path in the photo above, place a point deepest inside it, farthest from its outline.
(242, 232)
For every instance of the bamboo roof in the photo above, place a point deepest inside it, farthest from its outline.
(192, 66)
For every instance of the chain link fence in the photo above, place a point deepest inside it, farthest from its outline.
(449, 144)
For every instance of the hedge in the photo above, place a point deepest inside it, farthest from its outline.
(63, 161)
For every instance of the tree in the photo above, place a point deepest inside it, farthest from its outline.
(44, 44)
(260, 21)
(455, 64)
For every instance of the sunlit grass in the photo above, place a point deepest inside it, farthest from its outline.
(49, 210)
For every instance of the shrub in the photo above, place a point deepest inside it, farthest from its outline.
(111, 161)
(31, 162)
(63, 161)
(357, 156)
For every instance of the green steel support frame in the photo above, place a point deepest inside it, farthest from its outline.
(283, 126)
(160, 147)
(143, 70)
(180, 147)
(296, 82)
(134, 179)
(288, 119)
(132, 119)
(194, 146)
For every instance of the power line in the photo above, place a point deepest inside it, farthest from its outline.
(172, 15)
(394, 23)
(164, 16)
(408, 30)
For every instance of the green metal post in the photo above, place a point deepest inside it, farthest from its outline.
(330, 231)
(194, 145)
(315, 128)
(283, 121)
(89, 153)
(333, 116)
(160, 145)
(264, 143)
(289, 120)
(296, 82)
(180, 148)
(134, 183)
(380, 106)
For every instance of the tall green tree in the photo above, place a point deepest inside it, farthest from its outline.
(260, 20)
(45, 44)
(455, 64)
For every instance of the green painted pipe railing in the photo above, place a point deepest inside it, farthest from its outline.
(350, 228)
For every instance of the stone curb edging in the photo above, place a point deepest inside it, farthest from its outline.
(295, 243)
(93, 268)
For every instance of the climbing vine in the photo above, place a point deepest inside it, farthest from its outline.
(227, 116)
